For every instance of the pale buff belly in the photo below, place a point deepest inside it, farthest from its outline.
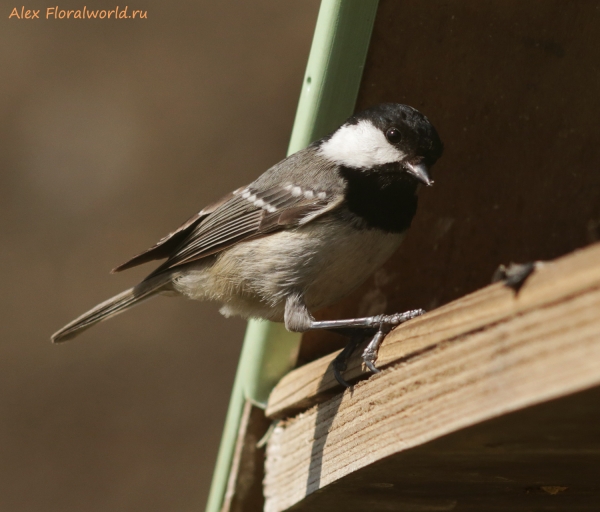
(253, 279)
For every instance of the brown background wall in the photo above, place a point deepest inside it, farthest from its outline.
(111, 134)
(512, 87)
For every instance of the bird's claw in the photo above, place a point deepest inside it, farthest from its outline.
(386, 324)
(371, 365)
(370, 353)
(339, 365)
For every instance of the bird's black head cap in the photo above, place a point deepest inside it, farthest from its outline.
(414, 135)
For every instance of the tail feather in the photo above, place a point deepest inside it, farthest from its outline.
(111, 307)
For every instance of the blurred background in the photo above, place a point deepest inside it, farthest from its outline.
(112, 133)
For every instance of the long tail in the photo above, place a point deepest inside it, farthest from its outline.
(112, 307)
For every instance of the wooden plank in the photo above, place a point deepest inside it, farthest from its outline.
(543, 458)
(244, 486)
(553, 282)
(484, 356)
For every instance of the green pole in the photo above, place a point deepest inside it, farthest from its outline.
(328, 97)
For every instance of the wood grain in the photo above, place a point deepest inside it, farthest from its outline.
(478, 358)
(244, 486)
(542, 458)
(553, 282)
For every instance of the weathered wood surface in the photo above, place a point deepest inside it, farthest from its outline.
(480, 357)
(542, 458)
(244, 487)
(554, 282)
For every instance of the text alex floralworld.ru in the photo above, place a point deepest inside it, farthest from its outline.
(55, 13)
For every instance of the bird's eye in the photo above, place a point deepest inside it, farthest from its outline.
(393, 135)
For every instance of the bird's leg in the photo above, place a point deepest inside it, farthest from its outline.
(299, 319)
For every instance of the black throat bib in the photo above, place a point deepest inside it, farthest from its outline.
(383, 199)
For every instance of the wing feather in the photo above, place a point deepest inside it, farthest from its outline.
(166, 245)
(247, 215)
(283, 197)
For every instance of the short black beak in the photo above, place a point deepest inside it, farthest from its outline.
(419, 171)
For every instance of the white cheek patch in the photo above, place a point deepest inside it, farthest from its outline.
(360, 145)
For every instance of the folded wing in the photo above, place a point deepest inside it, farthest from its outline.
(243, 215)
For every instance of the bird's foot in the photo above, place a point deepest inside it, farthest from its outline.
(383, 325)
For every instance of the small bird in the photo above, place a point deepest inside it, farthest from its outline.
(302, 236)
